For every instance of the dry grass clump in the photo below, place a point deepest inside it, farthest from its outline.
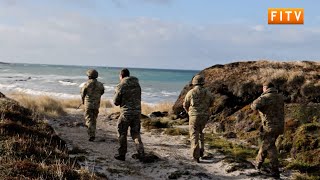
(75, 103)
(42, 105)
(71, 103)
(311, 90)
(296, 78)
(48, 106)
(106, 103)
(30, 149)
(162, 107)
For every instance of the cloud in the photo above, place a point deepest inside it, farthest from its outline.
(72, 38)
(10, 2)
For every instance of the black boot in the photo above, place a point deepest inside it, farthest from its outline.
(120, 157)
(91, 138)
(275, 173)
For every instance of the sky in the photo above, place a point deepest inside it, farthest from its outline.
(165, 34)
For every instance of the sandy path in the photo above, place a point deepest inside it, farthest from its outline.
(172, 150)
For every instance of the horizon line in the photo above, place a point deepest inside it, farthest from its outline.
(101, 66)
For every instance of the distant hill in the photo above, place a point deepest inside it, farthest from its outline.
(236, 85)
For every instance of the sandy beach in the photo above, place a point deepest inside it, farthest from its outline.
(173, 152)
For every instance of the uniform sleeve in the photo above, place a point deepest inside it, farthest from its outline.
(117, 96)
(83, 92)
(186, 102)
(102, 89)
(259, 103)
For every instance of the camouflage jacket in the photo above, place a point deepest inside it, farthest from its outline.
(91, 93)
(128, 96)
(271, 109)
(198, 101)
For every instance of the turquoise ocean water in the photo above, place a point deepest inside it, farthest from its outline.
(65, 81)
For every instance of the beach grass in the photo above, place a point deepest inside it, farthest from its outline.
(162, 107)
(51, 106)
(29, 147)
(41, 105)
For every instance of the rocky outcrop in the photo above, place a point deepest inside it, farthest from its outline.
(237, 84)
(234, 86)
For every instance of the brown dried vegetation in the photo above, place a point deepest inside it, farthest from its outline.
(29, 148)
(236, 85)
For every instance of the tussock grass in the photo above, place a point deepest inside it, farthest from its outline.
(30, 149)
(75, 103)
(53, 107)
(164, 106)
(42, 105)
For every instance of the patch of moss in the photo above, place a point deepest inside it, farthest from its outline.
(304, 113)
(307, 137)
(237, 152)
(305, 177)
(304, 167)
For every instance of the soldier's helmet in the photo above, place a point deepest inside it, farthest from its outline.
(198, 80)
(92, 74)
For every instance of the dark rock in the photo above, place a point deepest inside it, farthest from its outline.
(149, 157)
(178, 174)
(158, 114)
(237, 81)
(77, 150)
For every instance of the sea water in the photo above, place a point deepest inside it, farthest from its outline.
(158, 85)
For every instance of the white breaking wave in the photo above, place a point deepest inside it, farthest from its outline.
(166, 93)
(44, 93)
(7, 86)
(109, 88)
(66, 83)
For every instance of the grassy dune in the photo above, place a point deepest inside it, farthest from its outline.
(29, 148)
(235, 85)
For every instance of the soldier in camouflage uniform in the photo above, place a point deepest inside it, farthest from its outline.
(271, 109)
(197, 103)
(91, 93)
(128, 97)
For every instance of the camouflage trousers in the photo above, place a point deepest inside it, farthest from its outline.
(124, 122)
(196, 126)
(91, 121)
(268, 147)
